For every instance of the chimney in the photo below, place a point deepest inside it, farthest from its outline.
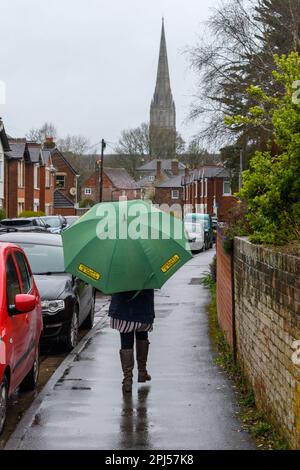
(175, 167)
(49, 143)
(158, 169)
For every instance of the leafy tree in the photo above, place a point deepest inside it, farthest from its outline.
(271, 186)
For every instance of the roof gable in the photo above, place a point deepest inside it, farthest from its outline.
(57, 152)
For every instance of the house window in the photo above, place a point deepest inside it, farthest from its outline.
(21, 206)
(152, 178)
(226, 188)
(36, 177)
(60, 181)
(175, 194)
(205, 187)
(21, 174)
(36, 205)
(47, 178)
(87, 191)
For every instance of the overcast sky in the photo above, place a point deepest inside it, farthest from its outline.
(90, 66)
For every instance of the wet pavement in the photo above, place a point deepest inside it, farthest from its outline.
(189, 404)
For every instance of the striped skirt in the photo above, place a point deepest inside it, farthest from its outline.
(124, 326)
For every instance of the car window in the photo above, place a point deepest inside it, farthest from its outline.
(44, 258)
(24, 272)
(53, 222)
(12, 282)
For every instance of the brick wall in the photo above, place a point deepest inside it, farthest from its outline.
(224, 291)
(267, 309)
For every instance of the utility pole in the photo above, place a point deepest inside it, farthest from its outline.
(103, 147)
(241, 169)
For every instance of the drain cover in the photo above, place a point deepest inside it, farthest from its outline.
(196, 281)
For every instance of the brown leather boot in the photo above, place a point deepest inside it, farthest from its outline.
(142, 349)
(127, 361)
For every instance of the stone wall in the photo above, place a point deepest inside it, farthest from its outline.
(267, 310)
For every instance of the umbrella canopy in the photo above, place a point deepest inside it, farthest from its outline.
(125, 246)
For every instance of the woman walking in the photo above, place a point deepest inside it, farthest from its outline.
(132, 314)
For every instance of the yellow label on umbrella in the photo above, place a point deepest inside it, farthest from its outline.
(169, 264)
(89, 272)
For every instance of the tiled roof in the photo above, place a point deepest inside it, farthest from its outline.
(18, 148)
(35, 152)
(61, 201)
(46, 157)
(206, 172)
(165, 165)
(175, 182)
(120, 178)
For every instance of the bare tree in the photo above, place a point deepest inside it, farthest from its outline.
(243, 38)
(40, 134)
(75, 144)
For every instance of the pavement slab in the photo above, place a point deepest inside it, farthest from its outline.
(188, 405)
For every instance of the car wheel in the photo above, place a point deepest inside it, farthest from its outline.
(71, 338)
(89, 322)
(31, 379)
(3, 402)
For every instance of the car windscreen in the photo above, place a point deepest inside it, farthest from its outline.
(198, 219)
(194, 227)
(52, 222)
(71, 220)
(44, 258)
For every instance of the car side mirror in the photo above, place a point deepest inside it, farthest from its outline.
(24, 303)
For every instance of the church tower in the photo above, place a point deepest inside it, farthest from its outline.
(163, 113)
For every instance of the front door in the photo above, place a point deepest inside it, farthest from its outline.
(18, 324)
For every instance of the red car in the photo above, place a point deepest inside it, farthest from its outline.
(20, 325)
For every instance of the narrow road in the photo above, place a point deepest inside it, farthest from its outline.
(188, 405)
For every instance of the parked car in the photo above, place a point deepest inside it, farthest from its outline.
(20, 325)
(195, 235)
(67, 302)
(30, 223)
(71, 219)
(55, 223)
(205, 219)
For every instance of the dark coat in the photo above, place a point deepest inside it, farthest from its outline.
(131, 307)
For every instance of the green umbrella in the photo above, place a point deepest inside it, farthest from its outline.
(125, 246)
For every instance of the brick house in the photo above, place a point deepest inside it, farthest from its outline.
(170, 193)
(47, 182)
(66, 181)
(4, 147)
(17, 168)
(116, 183)
(208, 190)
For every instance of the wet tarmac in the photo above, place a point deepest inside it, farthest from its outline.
(189, 404)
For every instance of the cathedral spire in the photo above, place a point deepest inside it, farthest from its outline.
(163, 86)
(163, 113)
